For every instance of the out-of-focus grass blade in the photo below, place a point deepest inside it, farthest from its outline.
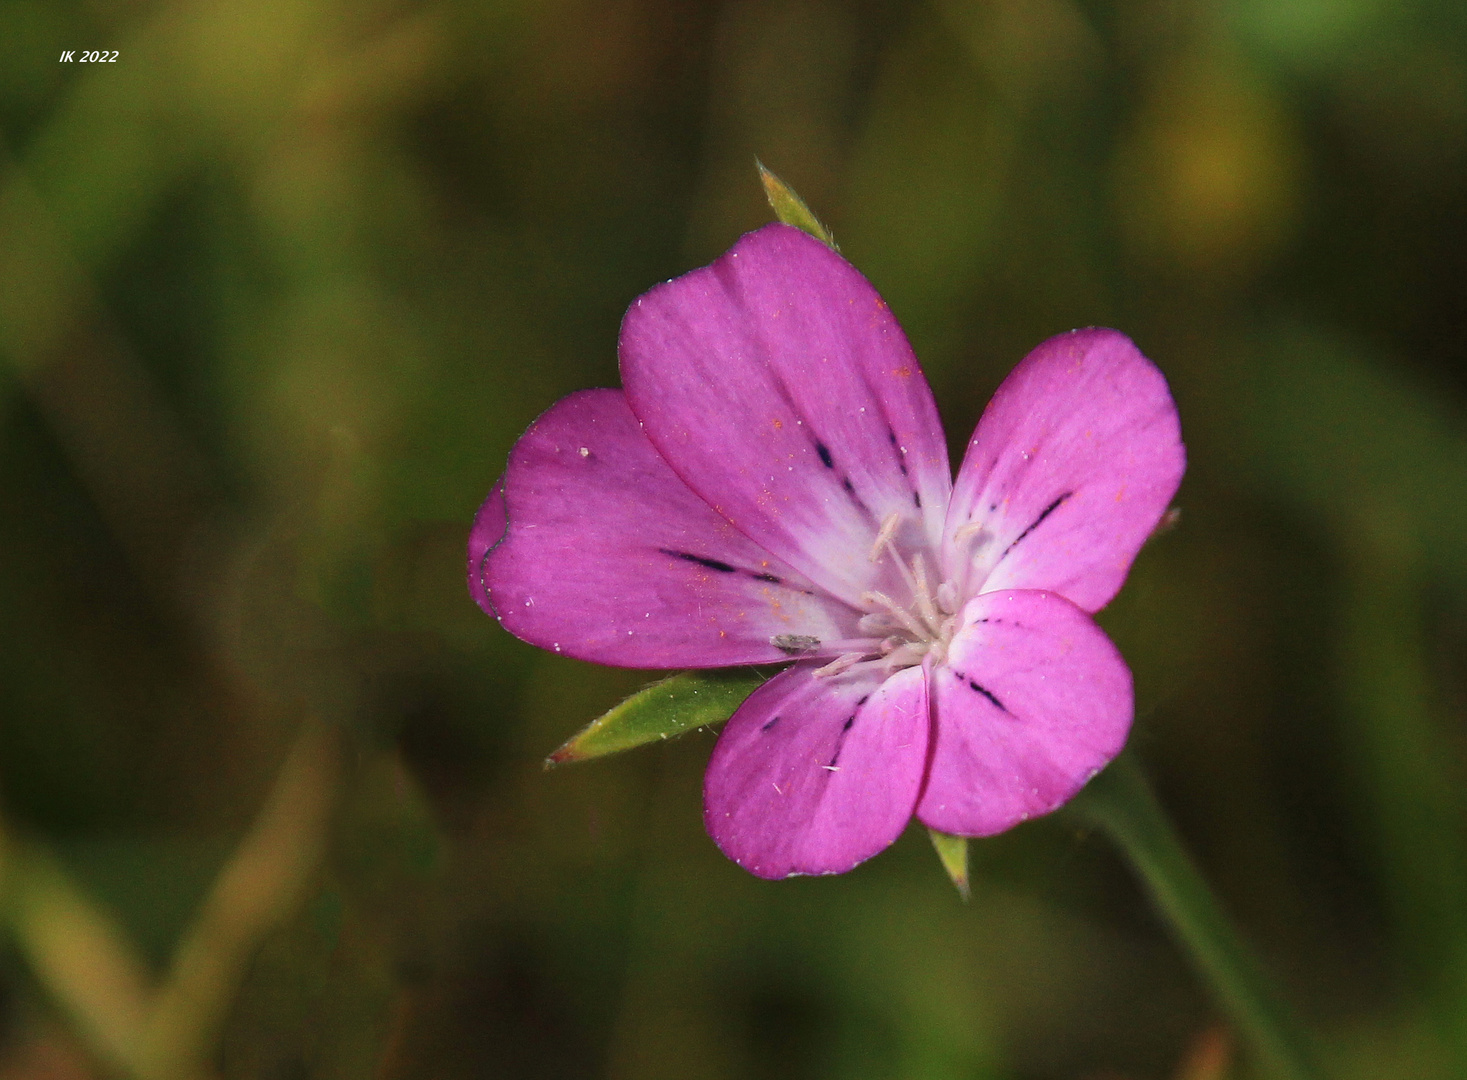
(690, 700)
(791, 209)
(953, 851)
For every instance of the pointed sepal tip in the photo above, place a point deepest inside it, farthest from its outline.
(790, 208)
(953, 853)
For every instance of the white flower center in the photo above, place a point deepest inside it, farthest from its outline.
(898, 634)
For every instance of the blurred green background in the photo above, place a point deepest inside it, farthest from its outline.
(279, 288)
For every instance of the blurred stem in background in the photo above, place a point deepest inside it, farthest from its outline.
(1121, 803)
(169, 1030)
(1409, 778)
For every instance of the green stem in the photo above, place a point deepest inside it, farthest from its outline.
(1121, 802)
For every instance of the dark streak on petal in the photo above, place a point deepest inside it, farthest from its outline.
(820, 448)
(901, 458)
(769, 723)
(977, 689)
(841, 742)
(711, 564)
(1051, 508)
(845, 482)
(988, 694)
(917, 500)
(794, 643)
(771, 578)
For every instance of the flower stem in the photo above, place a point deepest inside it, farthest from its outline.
(1120, 801)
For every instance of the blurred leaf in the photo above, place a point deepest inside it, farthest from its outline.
(76, 951)
(953, 851)
(791, 209)
(1347, 436)
(690, 700)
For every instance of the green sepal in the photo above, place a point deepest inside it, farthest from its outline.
(953, 851)
(692, 699)
(791, 209)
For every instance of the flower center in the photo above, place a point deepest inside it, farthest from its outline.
(895, 634)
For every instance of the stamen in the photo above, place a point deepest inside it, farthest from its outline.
(967, 541)
(907, 655)
(911, 582)
(908, 633)
(881, 663)
(840, 664)
(922, 595)
(866, 646)
(884, 535)
(898, 613)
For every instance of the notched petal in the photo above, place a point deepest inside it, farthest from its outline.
(486, 532)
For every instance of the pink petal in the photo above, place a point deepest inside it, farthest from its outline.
(814, 775)
(1031, 702)
(609, 557)
(487, 530)
(1071, 467)
(779, 386)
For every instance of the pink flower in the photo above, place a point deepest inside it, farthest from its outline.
(773, 484)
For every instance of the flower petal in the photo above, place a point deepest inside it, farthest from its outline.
(778, 385)
(487, 530)
(609, 557)
(813, 775)
(1032, 701)
(1070, 469)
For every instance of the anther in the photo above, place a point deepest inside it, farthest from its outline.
(965, 532)
(839, 664)
(883, 536)
(899, 614)
(907, 655)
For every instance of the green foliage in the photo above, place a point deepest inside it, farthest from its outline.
(790, 208)
(663, 710)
